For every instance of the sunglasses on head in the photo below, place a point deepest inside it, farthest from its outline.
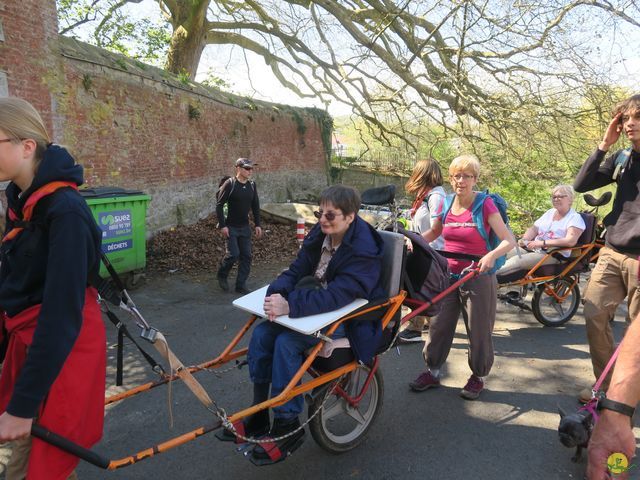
(330, 215)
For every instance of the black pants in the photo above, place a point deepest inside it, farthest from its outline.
(238, 249)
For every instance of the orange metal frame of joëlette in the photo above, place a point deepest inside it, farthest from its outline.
(530, 277)
(228, 354)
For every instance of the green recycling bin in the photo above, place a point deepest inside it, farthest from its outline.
(121, 215)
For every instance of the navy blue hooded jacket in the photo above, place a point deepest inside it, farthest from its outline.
(353, 272)
(48, 263)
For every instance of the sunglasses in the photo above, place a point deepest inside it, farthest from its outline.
(330, 215)
(558, 197)
(248, 168)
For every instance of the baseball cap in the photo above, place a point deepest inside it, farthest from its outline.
(244, 162)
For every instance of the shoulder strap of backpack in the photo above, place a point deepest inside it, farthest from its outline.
(223, 187)
(447, 203)
(621, 161)
(477, 212)
(431, 193)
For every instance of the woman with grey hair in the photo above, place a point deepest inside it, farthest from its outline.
(560, 226)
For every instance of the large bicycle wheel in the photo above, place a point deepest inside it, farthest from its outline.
(555, 303)
(339, 426)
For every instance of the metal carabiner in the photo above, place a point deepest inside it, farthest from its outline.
(472, 266)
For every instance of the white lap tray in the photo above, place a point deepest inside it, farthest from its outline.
(254, 301)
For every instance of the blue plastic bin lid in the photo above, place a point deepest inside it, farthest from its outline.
(101, 192)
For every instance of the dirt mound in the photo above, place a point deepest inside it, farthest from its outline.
(200, 247)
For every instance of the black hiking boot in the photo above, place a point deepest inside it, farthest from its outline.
(222, 281)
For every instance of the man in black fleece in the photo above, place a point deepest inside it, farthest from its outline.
(615, 275)
(241, 194)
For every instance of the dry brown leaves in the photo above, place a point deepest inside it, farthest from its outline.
(200, 247)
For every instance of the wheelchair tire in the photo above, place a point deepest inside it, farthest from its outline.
(551, 313)
(338, 427)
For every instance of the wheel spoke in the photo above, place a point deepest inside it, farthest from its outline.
(555, 304)
(340, 427)
(356, 415)
(334, 410)
(558, 308)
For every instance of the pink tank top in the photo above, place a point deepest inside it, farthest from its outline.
(461, 236)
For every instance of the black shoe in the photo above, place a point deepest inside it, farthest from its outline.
(410, 336)
(255, 426)
(224, 285)
(276, 451)
(243, 290)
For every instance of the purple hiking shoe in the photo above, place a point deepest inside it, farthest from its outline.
(473, 388)
(424, 381)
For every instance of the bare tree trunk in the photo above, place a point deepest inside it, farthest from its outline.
(189, 36)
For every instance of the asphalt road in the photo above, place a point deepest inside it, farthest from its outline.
(509, 433)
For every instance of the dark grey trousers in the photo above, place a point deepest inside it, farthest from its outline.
(238, 250)
(478, 299)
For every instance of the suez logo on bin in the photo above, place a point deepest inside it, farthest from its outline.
(115, 223)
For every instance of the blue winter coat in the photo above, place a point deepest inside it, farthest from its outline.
(353, 272)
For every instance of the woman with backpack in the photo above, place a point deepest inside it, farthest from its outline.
(467, 222)
(425, 184)
(52, 336)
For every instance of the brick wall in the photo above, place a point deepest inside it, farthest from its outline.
(30, 31)
(138, 127)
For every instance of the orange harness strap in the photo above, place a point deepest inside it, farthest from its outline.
(29, 206)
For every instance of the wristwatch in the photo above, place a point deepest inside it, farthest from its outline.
(614, 406)
(544, 243)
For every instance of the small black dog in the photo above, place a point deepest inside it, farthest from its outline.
(575, 430)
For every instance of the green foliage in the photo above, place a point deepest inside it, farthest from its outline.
(184, 77)
(541, 150)
(302, 128)
(122, 63)
(523, 162)
(250, 105)
(70, 10)
(87, 82)
(194, 112)
(140, 65)
(325, 122)
(107, 24)
(213, 81)
(395, 154)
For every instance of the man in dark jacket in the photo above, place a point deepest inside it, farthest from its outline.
(241, 195)
(615, 276)
(342, 256)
